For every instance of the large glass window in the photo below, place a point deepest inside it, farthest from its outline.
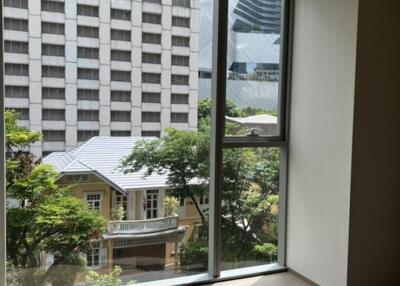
(154, 145)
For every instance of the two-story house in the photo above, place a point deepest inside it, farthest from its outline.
(145, 239)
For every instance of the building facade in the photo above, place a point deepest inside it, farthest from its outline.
(146, 238)
(261, 16)
(81, 68)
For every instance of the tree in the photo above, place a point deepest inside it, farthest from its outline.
(204, 109)
(47, 218)
(181, 155)
(92, 278)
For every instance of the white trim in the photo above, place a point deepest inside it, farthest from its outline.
(86, 194)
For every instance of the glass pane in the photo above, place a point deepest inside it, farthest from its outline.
(135, 222)
(253, 61)
(250, 207)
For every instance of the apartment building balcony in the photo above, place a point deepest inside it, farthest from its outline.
(148, 226)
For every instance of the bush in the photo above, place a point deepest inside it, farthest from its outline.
(265, 251)
(194, 255)
(95, 279)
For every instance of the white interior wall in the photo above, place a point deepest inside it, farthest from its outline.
(321, 139)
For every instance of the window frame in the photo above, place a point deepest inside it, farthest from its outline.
(218, 143)
(100, 200)
(219, 140)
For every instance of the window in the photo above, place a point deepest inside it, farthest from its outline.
(53, 6)
(15, 24)
(179, 98)
(151, 77)
(151, 97)
(88, 53)
(87, 10)
(93, 254)
(94, 200)
(88, 32)
(151, 58)
(151, 133)
(148, 74)
(53, 135)
(180, 60)
(151, 18)
(180, 21)
(153, 1)
(23, 4)
(120, 35)
(203, 200)
(204, 74)
(23, 113)
(16, 47)
(88, 94)
(53, 50)
(121, 95)
(53, 71)
(151, 116)
(122, 56)
(178, 79)
(179, 117)
(119, 14)
(89, 74)
(17, 91)
(53, 114)
(53, 93)
(179, 41)
(122, 200)
(84, 135)
(150, 38)
(152, 204)
(52, 28)
(120, 116)
(88, 115)
(76, 178)
(16, 69)
(181, 3)
(121, 133)
(121, 76)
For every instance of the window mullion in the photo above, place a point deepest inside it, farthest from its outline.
(220, 37)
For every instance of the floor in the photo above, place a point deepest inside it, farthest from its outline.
(279, 279)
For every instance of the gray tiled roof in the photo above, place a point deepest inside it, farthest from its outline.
(102, 156)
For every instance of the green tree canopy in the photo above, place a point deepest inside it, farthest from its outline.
(45, 217)
(181, 155)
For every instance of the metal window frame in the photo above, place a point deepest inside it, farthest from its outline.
(218, 143)
(219, 140)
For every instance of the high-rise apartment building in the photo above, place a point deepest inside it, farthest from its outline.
(263, 16)
(80, 68)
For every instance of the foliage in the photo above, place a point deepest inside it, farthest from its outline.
(181, 155)
(265, 250)
(13, 277)
(117, 212)
(194, 255)
(47, 219)
(18, 137)
(251, 111)
(94, 279)
(171, 204)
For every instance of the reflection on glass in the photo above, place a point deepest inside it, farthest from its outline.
(78, 214)
(250, 207)
(253, 61)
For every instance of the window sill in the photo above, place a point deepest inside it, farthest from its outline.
(202, 279)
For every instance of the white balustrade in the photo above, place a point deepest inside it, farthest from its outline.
(142, 226)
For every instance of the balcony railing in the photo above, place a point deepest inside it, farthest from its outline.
(142, 226)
